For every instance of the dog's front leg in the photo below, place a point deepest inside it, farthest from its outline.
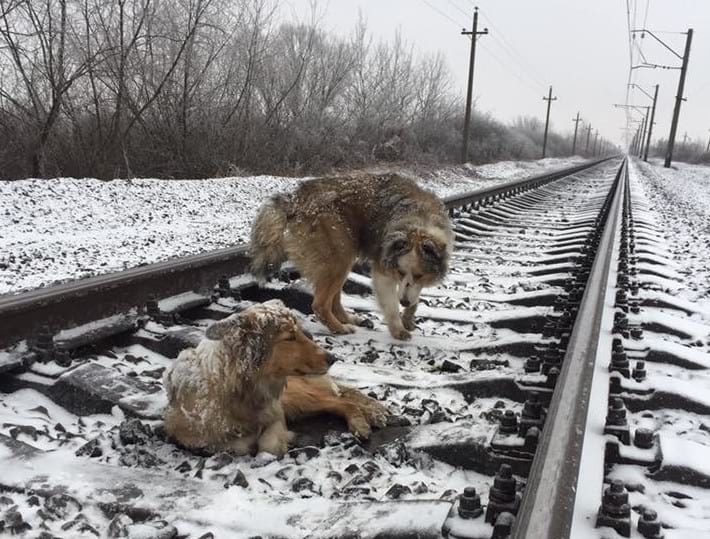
(386, 292)
(408, 317)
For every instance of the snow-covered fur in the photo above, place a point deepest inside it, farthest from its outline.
(224, 394)
(235, 390)
(326, 224)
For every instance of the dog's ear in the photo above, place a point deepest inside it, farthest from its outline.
(434, 256)
(219, 329)
(248, 336)
(432, 251)
(394, 245)
(255, 342)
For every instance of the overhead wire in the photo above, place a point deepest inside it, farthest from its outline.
(492, 54)
(512, 52)
(443, 14)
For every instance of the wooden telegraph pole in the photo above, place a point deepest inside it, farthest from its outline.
(469, 95)
(549, 100)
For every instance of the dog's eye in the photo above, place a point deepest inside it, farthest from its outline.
(399, 245)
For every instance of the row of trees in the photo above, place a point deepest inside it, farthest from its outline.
(194, 88)
(688, 151)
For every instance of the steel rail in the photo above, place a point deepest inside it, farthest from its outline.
(517, 186)
(71, 304)
(548, 501)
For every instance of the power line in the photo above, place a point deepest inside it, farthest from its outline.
(645, 17)
(513, 53)
(458, 24)
(507, 47)
(507, 67)
(458, 8)
(503, 64)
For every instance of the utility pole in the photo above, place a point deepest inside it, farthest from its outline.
(596, 137)
(678, 99)
(469, 95)
(643, 133)
(589, 132)
(549, 100)
(685, 138)
(707, 150)
(576, 125)
(650, 123)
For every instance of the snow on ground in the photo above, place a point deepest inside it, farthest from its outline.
(680, 197)
(65, 228)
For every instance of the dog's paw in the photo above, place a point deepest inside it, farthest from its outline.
(344, 329)
(378, 416)
(359, 426)
(401, 334)
(366, 323)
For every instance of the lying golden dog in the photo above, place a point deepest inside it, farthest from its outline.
(255, 369)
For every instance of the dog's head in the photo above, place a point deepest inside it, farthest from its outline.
(416, 257)
(267, 340)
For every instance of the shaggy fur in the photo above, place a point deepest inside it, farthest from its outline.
(327, 224)
(226, 394)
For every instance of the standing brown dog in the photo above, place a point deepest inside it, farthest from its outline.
(327, 224)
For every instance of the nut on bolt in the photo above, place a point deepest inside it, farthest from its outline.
(532, 364)
(639, 373)
(649, 526)
(508, 423)
(552, 376)
(503, 526)
(503, 496)
(615, 511)
(470, 504)
(643, 438)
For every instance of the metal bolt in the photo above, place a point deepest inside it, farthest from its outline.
(503, 526)
(643, 438)
(532, 364)
(532, 408)
(532, 438)
(649, 526)
(615, 498)
(552, 376)
(470, 504)
(151, 307)
(616, 414)
(639, 373)
(508, 423)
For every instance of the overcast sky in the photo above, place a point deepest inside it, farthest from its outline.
(580, 47)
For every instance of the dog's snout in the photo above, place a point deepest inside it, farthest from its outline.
(404, 302)
(331, 358)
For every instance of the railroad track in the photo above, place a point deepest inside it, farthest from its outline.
(522, 406)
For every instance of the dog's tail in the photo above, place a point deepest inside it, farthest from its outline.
(267, 235)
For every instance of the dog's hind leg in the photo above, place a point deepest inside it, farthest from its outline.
(274, 439)
(326, 287)
(341, 314)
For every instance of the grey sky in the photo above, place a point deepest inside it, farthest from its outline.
(580, 47)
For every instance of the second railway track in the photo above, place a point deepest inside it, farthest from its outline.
(522, 406)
